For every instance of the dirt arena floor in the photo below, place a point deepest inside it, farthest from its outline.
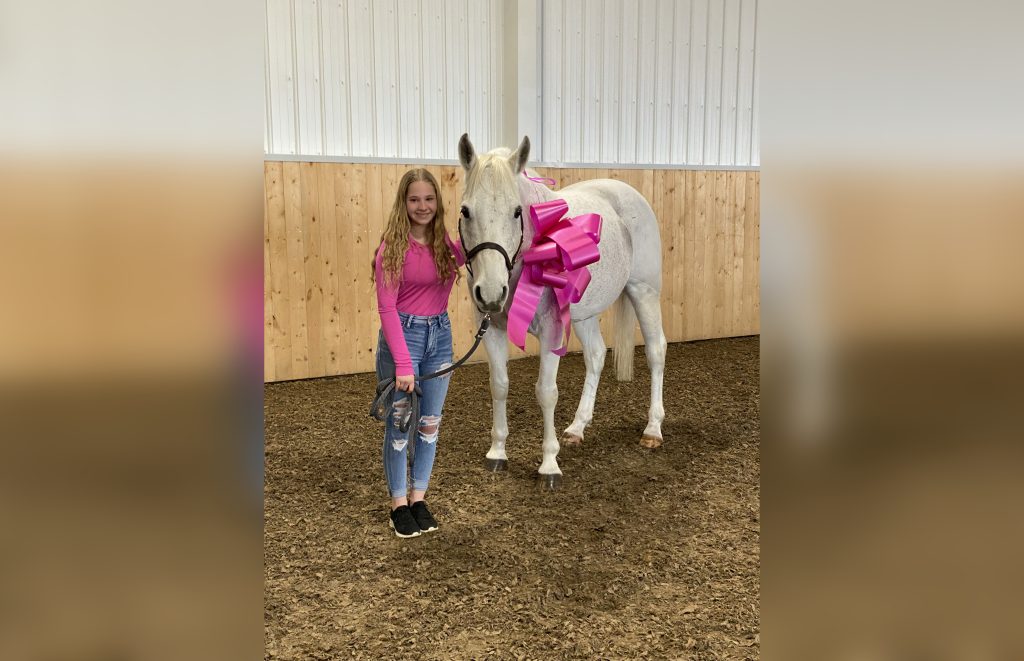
(641, 554)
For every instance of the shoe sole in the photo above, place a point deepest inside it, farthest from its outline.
(428, 529)
(398, 534)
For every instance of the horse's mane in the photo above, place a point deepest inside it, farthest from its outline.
(492, 173)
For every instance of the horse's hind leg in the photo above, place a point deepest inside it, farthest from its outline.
(594, 350)
(647, 305)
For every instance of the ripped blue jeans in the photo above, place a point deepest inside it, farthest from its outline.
(429, 340)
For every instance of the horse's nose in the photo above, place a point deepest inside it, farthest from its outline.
(486, 305)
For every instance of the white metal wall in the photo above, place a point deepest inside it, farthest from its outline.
(382, 78)
(652, 82)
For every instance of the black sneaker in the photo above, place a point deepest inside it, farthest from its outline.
(424, 519)
(403, 523)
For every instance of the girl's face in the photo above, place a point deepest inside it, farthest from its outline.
(421, 203)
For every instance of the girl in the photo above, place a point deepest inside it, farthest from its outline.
(415, 266)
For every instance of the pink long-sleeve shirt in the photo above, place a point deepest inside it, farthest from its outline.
(419, 292)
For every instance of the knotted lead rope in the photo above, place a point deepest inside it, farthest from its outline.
(385, 397)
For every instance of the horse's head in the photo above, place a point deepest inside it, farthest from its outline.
(491, 220)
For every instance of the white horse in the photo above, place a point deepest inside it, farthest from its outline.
(494, 221)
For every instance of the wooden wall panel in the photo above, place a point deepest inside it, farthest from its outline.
(322, 223)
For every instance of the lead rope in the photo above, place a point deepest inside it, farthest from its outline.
(384, 399)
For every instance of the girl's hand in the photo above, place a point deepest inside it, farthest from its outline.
(404, 383)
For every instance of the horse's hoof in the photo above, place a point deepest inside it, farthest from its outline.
(571, 440)
(549, 481)
(496, 465)
(650, 442)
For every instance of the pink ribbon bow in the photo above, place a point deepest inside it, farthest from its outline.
(557, 258)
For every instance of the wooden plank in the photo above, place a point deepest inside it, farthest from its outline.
(646, 186)
(737, 219)
(279, 273)
(663, 210)
(689, 262)
(346, 265)
(329, 269)
(357, 300)
(374, 219)
(269, 184)
(678, 272)
(700, 242)
(296, 271)
(675, 273)
(312, 267)
(752, 254)
(719, 248)
(366, 233)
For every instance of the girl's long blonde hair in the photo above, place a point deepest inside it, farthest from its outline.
(396, 234)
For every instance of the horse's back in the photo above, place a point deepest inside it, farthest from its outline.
(632, 210)
(629, 204)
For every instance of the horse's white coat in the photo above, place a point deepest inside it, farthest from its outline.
(630, 266)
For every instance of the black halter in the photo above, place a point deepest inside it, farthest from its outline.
(487, 245)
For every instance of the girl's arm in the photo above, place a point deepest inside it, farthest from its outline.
(387, 307)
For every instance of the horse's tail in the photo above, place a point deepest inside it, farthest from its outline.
(625, 331)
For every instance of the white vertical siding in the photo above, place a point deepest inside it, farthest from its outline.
(385, 72)
(362, 87)
(610, 100)
(648, 63)
(697, 79)
(591, 43)
(410, 75)
(382, 78)
(280, 78)
(730, 66)
(335, 77)
(745, 144)
(551, 96)
(656, 82)
(664, 63)
(572, 80)
(713, 81)
(432, 44)
(306, 46)
(628, 84)
(679, 115)
(677, 82)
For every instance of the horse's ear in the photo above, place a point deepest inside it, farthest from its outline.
(467, 155)
(517, 161)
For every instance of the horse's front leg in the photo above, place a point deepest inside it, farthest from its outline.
(547, 396)
(496, 341)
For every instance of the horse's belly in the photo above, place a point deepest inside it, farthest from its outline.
(608, 275)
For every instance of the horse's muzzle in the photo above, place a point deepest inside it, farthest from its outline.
(489, 303)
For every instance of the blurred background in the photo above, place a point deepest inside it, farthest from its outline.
(130, 354)
(892, 330)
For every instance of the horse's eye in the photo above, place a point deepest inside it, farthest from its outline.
(465, 212)
(519, 212)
